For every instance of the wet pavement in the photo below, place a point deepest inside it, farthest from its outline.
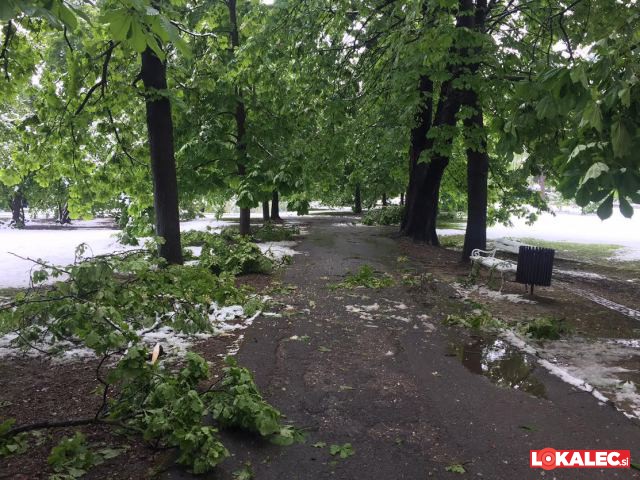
(378, 369)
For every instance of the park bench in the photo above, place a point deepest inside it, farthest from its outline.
(487, 258)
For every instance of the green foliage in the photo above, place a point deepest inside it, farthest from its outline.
(391, 215)
(365, 277)
(479, 319)
(72, 458)
(271, 232)
(11, 445)
(455, 468)
(245, 473)
(106, 302)
(238, 403)
(342, 451)
(228, 252)
(545, 328)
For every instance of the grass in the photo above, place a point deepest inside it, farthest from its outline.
(594, 252)
(597, 253)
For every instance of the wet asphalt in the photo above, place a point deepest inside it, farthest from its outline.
(376, 369)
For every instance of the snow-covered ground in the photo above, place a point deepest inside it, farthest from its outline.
(58, 245)
(567, 226)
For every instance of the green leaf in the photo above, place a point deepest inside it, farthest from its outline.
(120, 26)
(592, 116)
(625, 207)
(606, 208)
(620, 139)
(138, 39)
(594, 172)
(578, 74)
(455, 468)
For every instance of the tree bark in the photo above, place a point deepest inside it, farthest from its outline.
(477, 158)
(384, 200)
(423, 194)
(240, 117)
(265, 211)
(17, 209)
(275, 206)
(401, 198)
(357, 201)
(63, 214)
(163, 162)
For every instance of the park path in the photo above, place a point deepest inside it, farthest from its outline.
(374, 368)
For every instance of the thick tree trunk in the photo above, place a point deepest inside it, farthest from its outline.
(240, 117)
(417, 171)
(425, 177)
(384, 200)
(17, 209)
(477, 158)
(275, 206)
(163, 163)
(265, 211)
(401, 198)
(477, 176)
(357, 201)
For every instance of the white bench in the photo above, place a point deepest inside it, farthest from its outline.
(487, 258)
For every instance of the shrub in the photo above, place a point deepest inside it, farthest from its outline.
(391, 215)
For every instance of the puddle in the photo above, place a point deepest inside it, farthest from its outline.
(500, 362)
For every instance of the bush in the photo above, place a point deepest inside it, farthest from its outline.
(391, 215)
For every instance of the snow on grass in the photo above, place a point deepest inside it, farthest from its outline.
(466, 292)
(226, 321)
(57, 245)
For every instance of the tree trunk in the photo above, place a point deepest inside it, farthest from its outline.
(63, 214)
(163, 162)
(265, 211)
(17, 209)
(477, 158)
(357, 201)
(425, 178)
(240, 117)
(275, 207)
(418, 140)
(384, 200)
(401, 198)
(477, 177)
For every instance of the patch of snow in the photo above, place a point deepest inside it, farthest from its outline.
(589, 365)
(580, 274)
(466, 292)
(278, 250)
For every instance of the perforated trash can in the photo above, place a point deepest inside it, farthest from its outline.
(535, 266)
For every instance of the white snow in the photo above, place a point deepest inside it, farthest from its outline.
(278, 250)
(577, 228)
(57, 245)
(589, 365)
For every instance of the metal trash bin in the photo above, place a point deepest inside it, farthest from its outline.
(535, 266)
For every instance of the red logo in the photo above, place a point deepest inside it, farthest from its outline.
(548, 459)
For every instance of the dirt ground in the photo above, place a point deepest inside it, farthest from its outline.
(377, 369)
